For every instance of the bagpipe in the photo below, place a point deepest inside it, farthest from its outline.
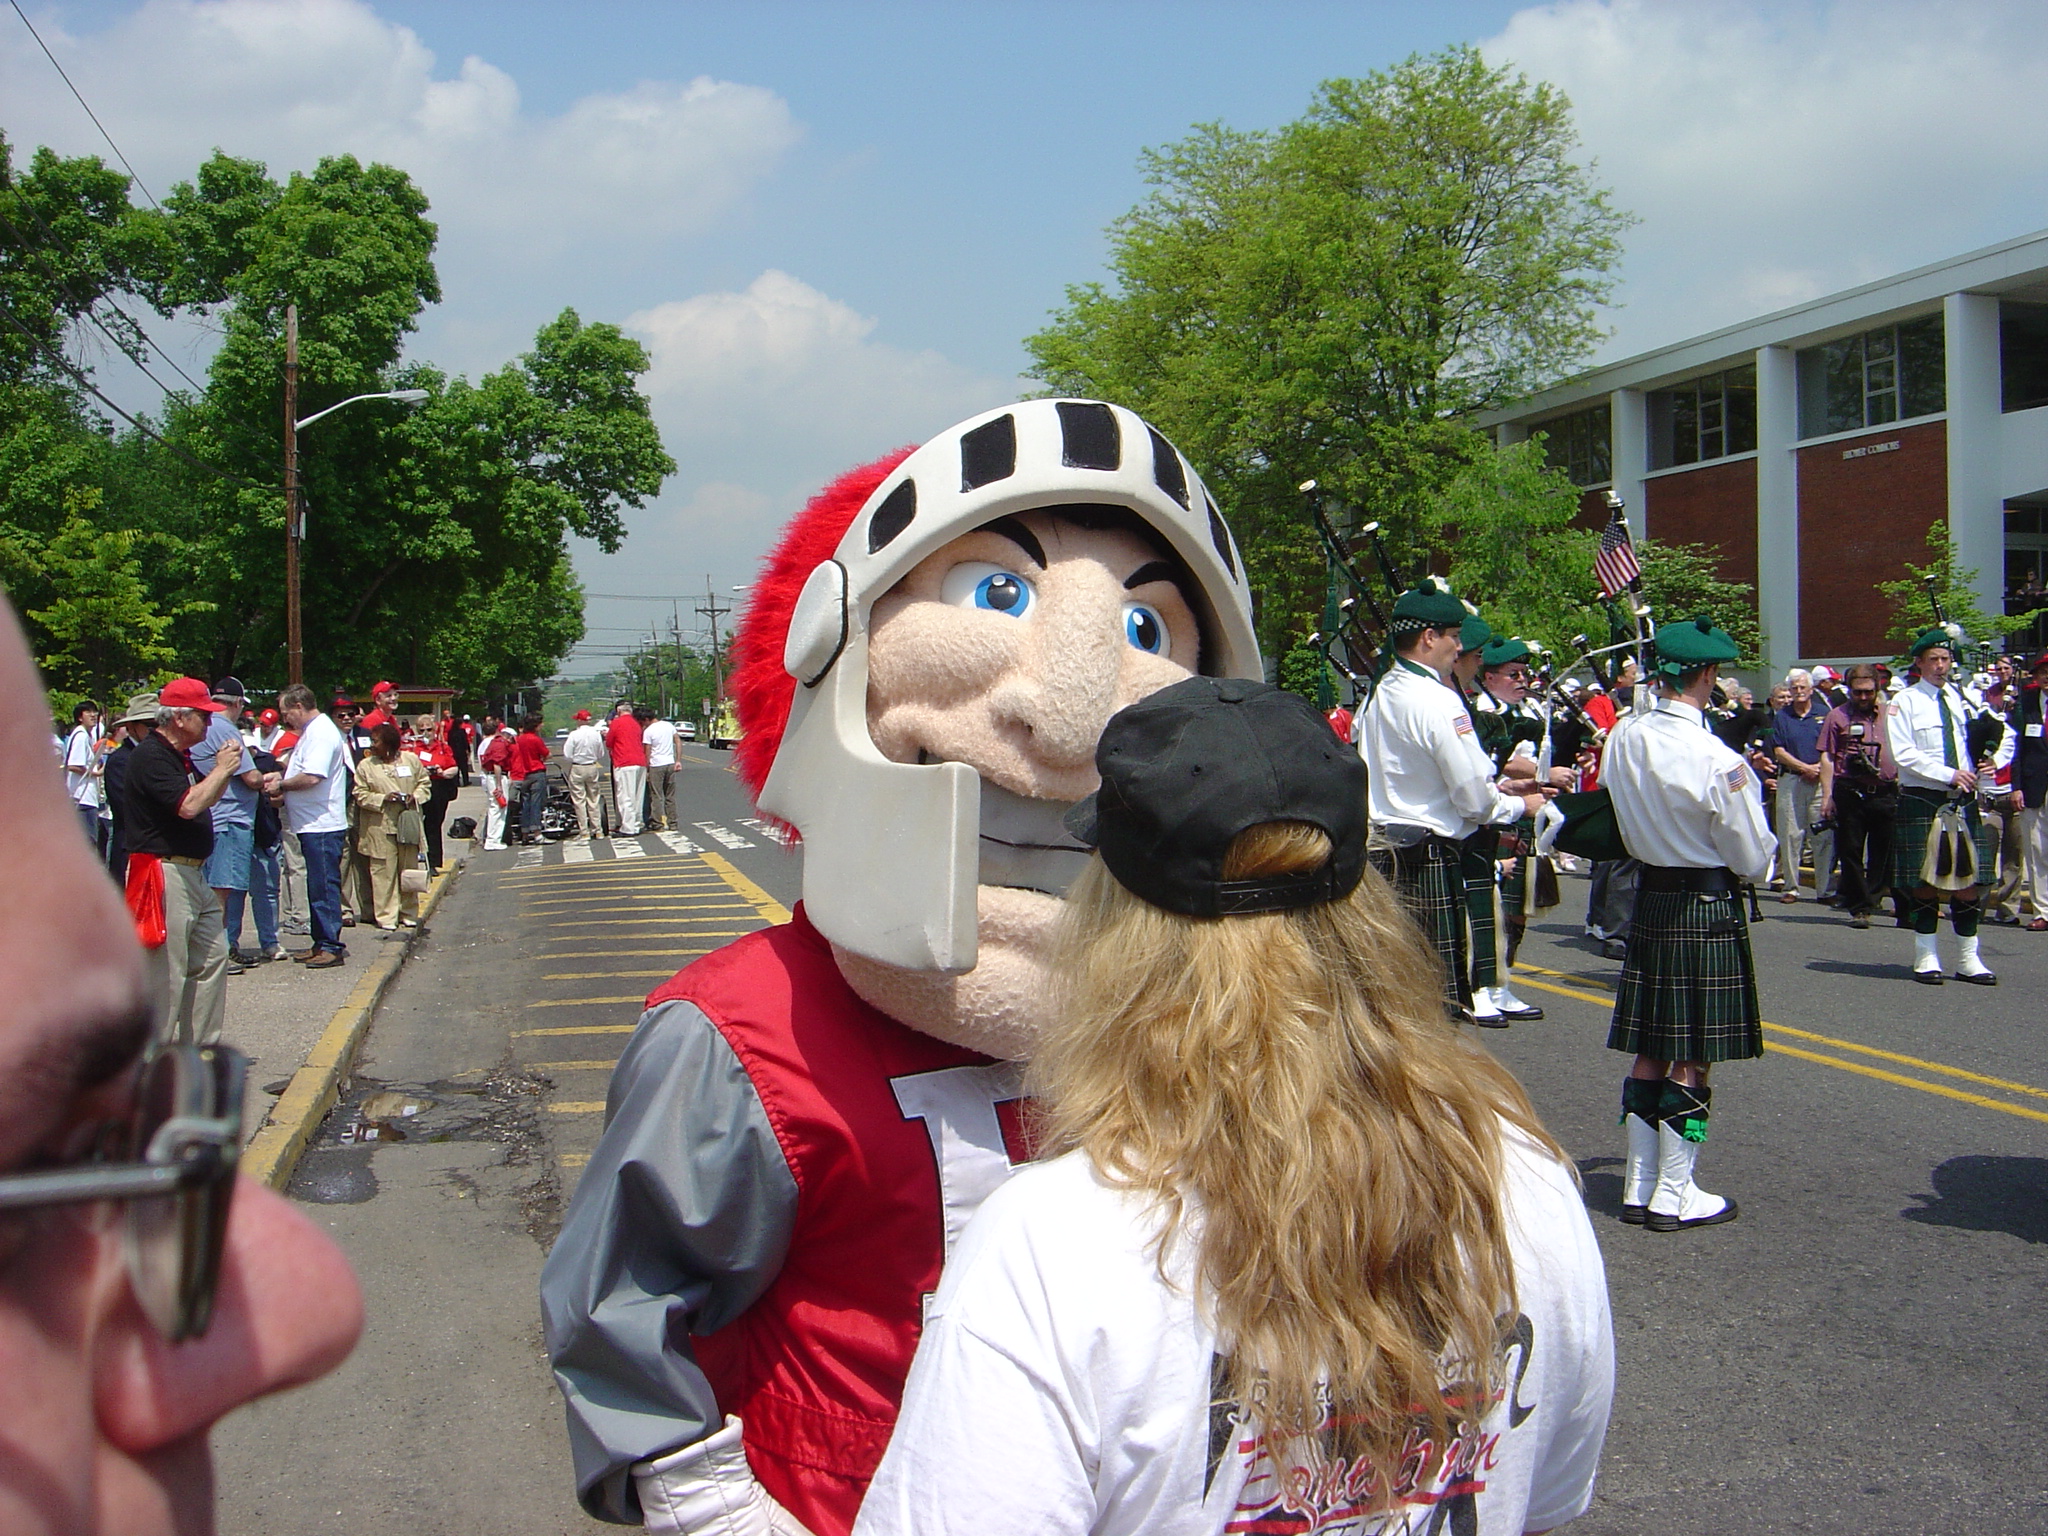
(1983, 731)
(1357, 625)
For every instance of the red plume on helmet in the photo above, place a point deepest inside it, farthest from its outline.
(761, 689)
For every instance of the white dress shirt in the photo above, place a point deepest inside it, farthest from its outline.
(1683, 798)
(1914, 731)
(584, 745)
(1424, 765)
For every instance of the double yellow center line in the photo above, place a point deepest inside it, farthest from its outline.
(1527, 974)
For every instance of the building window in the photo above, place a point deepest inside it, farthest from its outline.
(1578, 444)
(1707, 418)
(1889, 374)
(2023, 355)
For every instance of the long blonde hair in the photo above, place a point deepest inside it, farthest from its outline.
(1289, 1081)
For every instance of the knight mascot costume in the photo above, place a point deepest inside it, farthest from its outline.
(806, 1119)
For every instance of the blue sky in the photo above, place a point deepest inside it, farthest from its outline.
(834, 223)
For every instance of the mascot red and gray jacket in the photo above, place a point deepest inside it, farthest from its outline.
(806, 1119)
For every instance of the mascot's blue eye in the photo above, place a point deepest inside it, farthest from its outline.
(977, 584)
(1145, 629)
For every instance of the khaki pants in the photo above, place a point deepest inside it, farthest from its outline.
(2001, 898)
(292, 912)
(661, 794)
(586, 793)
(190, 970)
(386, 861)
(2034, 840)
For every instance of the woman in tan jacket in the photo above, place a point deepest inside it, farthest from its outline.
(389, 784)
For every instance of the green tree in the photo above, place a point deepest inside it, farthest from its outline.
(1335, 299)
(102, 635)
(1681, 581)
(1955, 584)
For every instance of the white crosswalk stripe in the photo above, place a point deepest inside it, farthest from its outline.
(626, 848)
(678, 843)
(577, 853)
(767, 829)
(723, 835)
(528, 857)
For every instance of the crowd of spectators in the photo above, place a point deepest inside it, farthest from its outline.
(618, 777)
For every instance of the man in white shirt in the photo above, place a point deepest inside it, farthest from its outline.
(313, 790)
(1430, 783)
(1930, 743)
(659, 737)
(583, 751)
(1688, 809)
(83, 770)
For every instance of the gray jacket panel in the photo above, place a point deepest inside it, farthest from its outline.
(682, 1220)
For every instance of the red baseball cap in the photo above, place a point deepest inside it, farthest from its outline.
(269, 717)
(582, 714)
(189, 693)
(2039, 662)
(377, 688)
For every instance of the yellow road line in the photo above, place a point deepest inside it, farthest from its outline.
(606, 954)
(574, 1160)
(769, 908)
(578, 1107)
(1910, 1082)
(666, 906)
(600, 975)
(577, 1029)
(572, 1066)
(581, 1002)
(630, 922)
(649, 882)
(1840, 1045)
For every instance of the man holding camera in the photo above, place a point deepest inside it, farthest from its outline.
(1859, 792)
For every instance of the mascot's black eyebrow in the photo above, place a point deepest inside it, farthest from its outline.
(1157, 570)
(1009, 528)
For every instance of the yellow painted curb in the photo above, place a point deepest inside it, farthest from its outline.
(273, 1152)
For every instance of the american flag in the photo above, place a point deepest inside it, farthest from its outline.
(1615, 564)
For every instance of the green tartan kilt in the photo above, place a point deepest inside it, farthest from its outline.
(1482, 874)
(1514, 880)
(1917, 809)
(1688, 987)
(1429, 878)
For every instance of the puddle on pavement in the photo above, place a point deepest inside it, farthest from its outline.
(501, 1106)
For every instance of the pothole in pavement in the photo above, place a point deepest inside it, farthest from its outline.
(501, 1106)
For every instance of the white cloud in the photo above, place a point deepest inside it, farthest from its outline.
(1777, 152)
(782, 359)
(288, 81)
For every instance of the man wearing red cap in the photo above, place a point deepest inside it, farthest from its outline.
(384, 711)
(583, 751)
(169, 827)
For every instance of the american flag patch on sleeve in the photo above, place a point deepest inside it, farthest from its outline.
(1464, 725)
(1737, 777)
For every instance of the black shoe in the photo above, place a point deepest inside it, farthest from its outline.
(244, 959)
(236, 970)
(1614, 949)
(1928, 978)
(1979, 979)
(1658, 1222)
(1525, 1014)
(1860, 920)
(1635, 1215)
(1484, 1020)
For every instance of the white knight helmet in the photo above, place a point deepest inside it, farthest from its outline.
(892, 850)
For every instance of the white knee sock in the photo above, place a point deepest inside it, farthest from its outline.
(1968, 961)
(1925, 956)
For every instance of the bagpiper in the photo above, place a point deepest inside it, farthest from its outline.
(1431, 784)
(1688, 809)
(1928, 732)
(1509, 728)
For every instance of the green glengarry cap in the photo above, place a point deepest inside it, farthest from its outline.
(1947, 636)
(1431, 604)
(1504, 650)
(1475, 634)
(1687, 647)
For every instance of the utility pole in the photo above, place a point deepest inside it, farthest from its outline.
(675, 635)
(294, 638)
(711, 610)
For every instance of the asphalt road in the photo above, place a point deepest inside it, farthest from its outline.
(1861, 1351)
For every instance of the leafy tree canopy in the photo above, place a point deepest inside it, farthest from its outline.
(1955, 584)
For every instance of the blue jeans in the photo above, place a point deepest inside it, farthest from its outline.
(262, 897)
(533, 800)
(323, 887)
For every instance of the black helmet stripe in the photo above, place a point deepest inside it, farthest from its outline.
(988, 453)
(1167, 471)
(1089, 436)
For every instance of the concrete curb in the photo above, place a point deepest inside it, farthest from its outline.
(273, 1152)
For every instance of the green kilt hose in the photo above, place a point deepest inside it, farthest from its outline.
(1917, 810)
(1688, 987)
(1430, 880)
(1477, 855)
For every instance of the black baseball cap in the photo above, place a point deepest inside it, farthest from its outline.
(1188, 768)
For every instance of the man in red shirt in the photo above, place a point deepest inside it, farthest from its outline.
(628, 751)
(385, 699)
(527, 766)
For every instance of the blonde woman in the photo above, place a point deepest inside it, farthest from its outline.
(1298, 1258)
(391, 786)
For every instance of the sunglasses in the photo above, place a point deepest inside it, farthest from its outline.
(171, 1162)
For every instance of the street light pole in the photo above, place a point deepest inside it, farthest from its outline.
(294, 639)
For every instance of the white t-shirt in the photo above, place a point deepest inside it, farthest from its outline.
(584, 745)
(78, 753)
(660, 740)
(324, 807)
(1062, 1386)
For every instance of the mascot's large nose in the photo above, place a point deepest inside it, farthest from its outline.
(1066, 685)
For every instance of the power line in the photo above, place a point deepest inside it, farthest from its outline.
(32, 32)
(149, 432)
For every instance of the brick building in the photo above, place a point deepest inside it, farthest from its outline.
(1813, 447)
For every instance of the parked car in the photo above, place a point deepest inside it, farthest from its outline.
(687, 729)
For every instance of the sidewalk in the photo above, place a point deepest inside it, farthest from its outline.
(277, 1011)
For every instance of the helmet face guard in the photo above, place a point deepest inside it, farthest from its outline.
(892, 849)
